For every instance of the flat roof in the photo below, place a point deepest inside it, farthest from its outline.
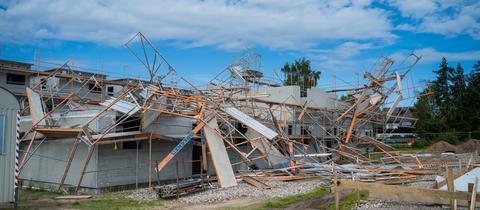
(15, 62)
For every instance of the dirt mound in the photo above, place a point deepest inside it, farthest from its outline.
(469, 146)
(441, 146)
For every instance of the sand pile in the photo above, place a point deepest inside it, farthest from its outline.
(441, 146)
(469, 146)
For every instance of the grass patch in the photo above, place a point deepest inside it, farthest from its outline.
(405, 148)
(346, 203)
(281, 202)
(31, 198)
(116, 204)
(40, 190)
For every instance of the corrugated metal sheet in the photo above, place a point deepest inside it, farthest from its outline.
(147, 92)
(461, 183)
(250, 122)
(8, 108)
(122, 106)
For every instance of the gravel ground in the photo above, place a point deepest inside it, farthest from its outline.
(424, 184)
(378, 205)
(243, 190)
(143, 195)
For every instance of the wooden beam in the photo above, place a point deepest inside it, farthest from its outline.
(25, 154)
(85, 164)
(255, 182)
(71, 154)
(180, 145)
(451, 187)
(350, 129)
(474, 195)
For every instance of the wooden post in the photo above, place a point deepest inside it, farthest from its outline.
(158, 174)
(201, 172)
(292, 162)
(25, 154)
(178, 178)
(451, 188)
(150, 162)
(204, 154)
(87, 159)
(474, 195)
(470, 190)
(337, 196)
(136, 167)
(71, 154)
(350, 129)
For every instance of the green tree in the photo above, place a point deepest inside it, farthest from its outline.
(424, 111)
(300, 73)
(472, 109)
(441, 89)
(453, 106)
(456, 113)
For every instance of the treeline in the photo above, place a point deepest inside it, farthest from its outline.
(300, 73)
(449, 108)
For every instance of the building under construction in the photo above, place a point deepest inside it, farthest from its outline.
(82, 131)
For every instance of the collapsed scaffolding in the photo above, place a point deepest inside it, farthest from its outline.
(232, 112)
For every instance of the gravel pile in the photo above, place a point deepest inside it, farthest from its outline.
(243, 190)
(143, 195)
(378, 205)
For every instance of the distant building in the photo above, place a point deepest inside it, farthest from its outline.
(15, 76)
(399, 128)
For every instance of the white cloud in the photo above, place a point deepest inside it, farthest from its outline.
(415, 8)
(446, 17)
(431, 55)
(341, 58)
(466, 21)
(344, 50)
(276, 24)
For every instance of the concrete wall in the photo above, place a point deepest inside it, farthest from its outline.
(8, 109)
(108, 167)
(56, 84)
(49, 160)
(16, 89)
(119, 167)
(317, 98)
(75, 119)
(171, 125)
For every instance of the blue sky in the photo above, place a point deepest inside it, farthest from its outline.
(201, 38)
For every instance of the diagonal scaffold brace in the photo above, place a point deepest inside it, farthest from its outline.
(179, 147)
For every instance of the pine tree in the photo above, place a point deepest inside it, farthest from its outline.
(457, 114)
(441, 94)
(472, 109)
(424, 111)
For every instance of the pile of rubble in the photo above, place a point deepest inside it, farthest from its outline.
(145, 194)
(378, 204)
(243, 190)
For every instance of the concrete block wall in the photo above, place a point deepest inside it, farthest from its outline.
(48, 163)
(171, 125)
(119, 167)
